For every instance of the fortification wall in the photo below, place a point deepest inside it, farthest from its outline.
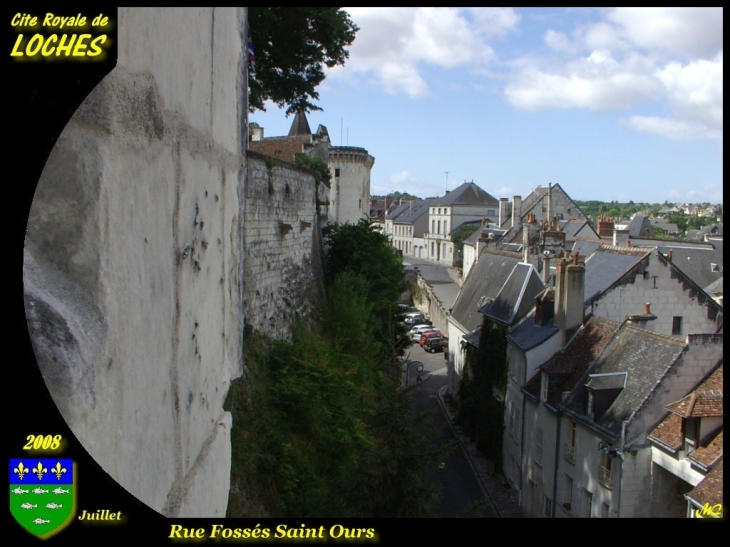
(282, 260)
(133, 259)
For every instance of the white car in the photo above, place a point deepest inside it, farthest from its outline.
(420, 329)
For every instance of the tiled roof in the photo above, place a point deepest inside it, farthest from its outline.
(709, 490)
(709, 451)
(468, 194)
(644, 356)
(568, 366)
(695, 260)
(283, 148)
(516, 297)
(669, 432)
(705, 400)
(395, 213)
(484, 281)
(300, 125)
(715, 287)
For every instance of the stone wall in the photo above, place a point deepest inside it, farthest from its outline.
(283, 250)
(133, 259)
(350, 194)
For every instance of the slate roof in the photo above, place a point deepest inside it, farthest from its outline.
(498, 233)
(530, 334)
(644, 356)
(715, 287)
(574, 227)
(607, 265)
(640, 226)
(709, 490)
(516, 297)
(395, 213)
(412, 214)
(567, 367)
(485, 279)
(300, 125)
(467, 194)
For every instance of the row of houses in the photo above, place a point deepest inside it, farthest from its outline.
(611, 338)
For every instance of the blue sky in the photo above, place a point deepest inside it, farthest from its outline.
(612, 104)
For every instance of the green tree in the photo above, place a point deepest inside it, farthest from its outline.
(461, 233)
(292, 46)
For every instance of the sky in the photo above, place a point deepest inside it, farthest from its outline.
(612, 103)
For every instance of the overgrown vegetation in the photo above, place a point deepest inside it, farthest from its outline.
(482, 390)
(322, 427)
(461, 233)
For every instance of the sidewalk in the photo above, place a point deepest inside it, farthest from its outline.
(496, 488)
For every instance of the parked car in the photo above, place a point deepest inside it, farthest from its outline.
(413, 319)
(418, 330)
(436, 344)
(428, 334)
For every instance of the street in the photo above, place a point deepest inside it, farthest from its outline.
(459, 489)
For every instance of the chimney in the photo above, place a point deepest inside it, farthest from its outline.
(669, 255)
(525, 243)
(256, 132)
(605, 227)
(545, 268)
(516, 211)
(550, 201)
(481, 243)
(569, 296)
(574, 297)
(647, 308)
(502, 210)
(620, 237)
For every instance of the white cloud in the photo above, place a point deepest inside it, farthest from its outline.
(395, 43)
(695, 90)
(691, 31)
(595, 84)
(673, 129)
(558, 41)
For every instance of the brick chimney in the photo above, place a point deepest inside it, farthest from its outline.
(605, 226)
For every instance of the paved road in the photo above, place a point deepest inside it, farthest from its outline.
(442, 278)
(460, 491)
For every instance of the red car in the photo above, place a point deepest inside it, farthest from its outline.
(428, 334)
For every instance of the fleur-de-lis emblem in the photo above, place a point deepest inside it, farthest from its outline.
(39, 470)
(21, 471)
(58, 470)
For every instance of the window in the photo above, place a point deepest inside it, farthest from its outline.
(432, 248)
(438, 225)
(538, 445)
(604, 510)
(676, 325)
(567, 492)
(359, 203)
(337, 171)
(514, 423)
(433, 228)
(547, 507)
(587, 506)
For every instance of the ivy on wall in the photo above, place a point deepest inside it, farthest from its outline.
(482, 390)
